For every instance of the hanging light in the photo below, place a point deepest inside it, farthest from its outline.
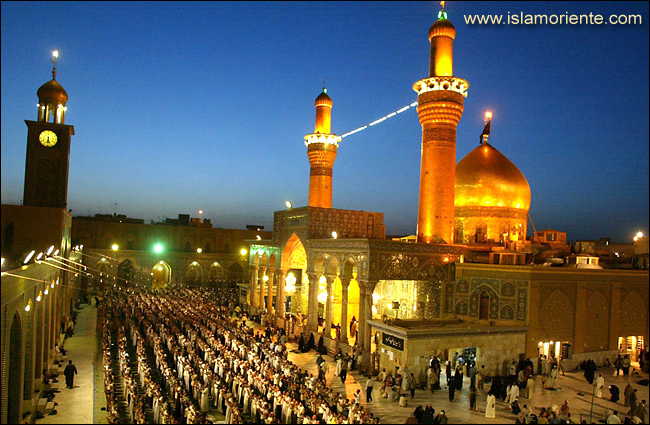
(290, 286)
(29, 257)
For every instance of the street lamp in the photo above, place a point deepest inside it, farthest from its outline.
(288, 204)
(199, 250)
(200, 215)
(115, 247)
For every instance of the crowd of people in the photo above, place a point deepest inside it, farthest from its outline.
(210, 361)
(199, 362)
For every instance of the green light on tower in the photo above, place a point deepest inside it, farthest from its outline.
(158, 248)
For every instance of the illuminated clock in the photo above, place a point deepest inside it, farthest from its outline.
(48, 138)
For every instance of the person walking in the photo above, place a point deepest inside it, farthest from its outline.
(491, 406)
(618, 364)
(600, 383)
(632, 401)
(472, 398)
(626, 393)
(452, 390)
(70, 371)
(369, 389)
(626, 365)
(411, 385)
(642, 412)
(431, 379)
(530, 387)
(479, 378)
(344, 371)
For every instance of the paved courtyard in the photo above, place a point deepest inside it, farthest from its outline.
(83, 403)
(458, 411)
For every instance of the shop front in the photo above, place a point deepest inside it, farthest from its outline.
(631, 345)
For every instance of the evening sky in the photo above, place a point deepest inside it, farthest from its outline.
(185, 106)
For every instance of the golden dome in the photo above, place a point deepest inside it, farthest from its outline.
(442, 28)
(52, 93)
(323, 99)
(486, 178)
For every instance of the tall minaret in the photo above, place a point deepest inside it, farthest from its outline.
(321, 150)
(440, 106)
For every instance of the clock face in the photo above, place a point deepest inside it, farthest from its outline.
(48, 138)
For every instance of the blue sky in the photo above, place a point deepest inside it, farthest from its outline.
(185, 106)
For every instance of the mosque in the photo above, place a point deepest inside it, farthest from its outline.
(465, 284)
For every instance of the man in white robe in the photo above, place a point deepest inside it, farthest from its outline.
(600, 383)
(490, 408)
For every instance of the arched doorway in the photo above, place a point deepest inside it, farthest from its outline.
(126, 273)
(194, 274)
(216, 274)
(350, 315)
(103, 268)
(235, 273)
(15, 367)
(294, 259)
(161, 275)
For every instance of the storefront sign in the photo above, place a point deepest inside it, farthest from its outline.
(392, 341)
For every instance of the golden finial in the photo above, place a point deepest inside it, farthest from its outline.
(485, 135)
(442, 5)
(55, 56)
(324, 89)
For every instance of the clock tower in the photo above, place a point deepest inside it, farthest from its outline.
(48, 147)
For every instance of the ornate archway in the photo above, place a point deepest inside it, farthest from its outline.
(126, 273)
(161, 275)
(294, 260)
(194, 274)
(216, 274)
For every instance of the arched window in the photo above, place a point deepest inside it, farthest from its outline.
(484, 306)
(188, 247)
(207, 247)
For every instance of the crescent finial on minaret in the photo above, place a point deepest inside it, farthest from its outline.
(55, 56)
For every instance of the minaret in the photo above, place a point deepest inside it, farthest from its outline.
(440, 106)
(321, 150)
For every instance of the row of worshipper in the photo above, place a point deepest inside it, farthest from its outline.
(181, 384)
(261, 354)
(153, 394)
(255, 368)
(109, 380)
(130, 386)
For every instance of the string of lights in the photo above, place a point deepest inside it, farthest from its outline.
(384, 118)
